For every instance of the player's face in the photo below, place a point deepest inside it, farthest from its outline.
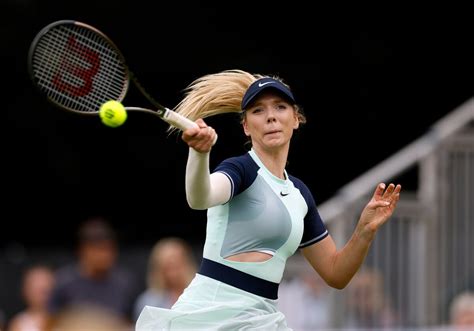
(270, 121)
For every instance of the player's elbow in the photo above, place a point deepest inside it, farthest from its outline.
(338, 285)
(197, 204)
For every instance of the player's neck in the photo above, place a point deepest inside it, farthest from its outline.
(274, 160)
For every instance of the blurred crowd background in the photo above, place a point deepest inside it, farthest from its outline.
(98, 287)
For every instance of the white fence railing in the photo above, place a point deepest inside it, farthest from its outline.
(424, 256)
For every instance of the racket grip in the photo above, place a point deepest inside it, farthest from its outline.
(178, 120)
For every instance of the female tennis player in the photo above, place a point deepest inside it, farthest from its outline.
(258, 215)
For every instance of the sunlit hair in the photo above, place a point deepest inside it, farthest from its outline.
(462, 304)
(219, 93)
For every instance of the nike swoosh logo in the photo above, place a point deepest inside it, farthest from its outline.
(283, 194)
(263, 84)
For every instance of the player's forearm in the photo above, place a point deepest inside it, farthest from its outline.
(348, 260)
(204, 190)
(197, 179)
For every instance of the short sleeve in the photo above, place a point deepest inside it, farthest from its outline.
(240, 170)
(314, 228)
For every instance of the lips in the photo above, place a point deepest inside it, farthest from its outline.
(273, 131)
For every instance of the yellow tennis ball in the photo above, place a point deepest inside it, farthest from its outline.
(113, 113)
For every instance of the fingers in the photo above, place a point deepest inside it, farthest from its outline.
(391, 190)
(198, 132)
(201, 138)
(193, 131)
(397, 190)
(206, 134)
(379, 191)
(380, 203)
(391, 194)
(388, 192)
(396, 194)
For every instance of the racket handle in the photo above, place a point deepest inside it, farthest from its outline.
(178, 120)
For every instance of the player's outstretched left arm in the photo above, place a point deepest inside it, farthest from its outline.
(337, 267)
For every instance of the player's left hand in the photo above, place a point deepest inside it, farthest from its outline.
(379, 209)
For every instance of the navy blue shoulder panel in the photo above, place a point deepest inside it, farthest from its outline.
(314, 228)
(241, 170)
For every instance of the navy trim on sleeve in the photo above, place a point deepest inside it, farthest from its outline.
(241, 170)
(232, 186)
(314, 228)
(314, 240)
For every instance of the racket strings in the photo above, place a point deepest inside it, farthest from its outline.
(48, 54)
(53, 54)
(110, 80)
(78, 68)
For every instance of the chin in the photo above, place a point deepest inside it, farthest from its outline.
(275, 144)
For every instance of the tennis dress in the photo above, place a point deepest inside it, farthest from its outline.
(265, 214)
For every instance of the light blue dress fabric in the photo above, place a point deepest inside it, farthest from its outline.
(265, 213)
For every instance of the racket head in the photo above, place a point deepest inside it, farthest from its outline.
(77, 67)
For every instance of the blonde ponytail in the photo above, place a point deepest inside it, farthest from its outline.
(215, 94)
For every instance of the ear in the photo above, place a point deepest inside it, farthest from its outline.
(245, 127)
(297, 121)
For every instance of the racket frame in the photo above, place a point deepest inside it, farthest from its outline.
(164, 113)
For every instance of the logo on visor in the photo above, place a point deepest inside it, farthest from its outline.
(263, 84)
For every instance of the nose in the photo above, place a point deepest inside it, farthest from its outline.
(271, 115)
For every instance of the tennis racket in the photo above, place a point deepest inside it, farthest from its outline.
(78, 68)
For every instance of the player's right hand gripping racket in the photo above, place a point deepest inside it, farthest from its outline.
(78, 68)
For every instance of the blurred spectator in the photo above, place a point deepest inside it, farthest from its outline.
(304, 300)
(87, 319)
(95, 280)
(171, 267)
(367, 303)
(462, 311)
(37, 283)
